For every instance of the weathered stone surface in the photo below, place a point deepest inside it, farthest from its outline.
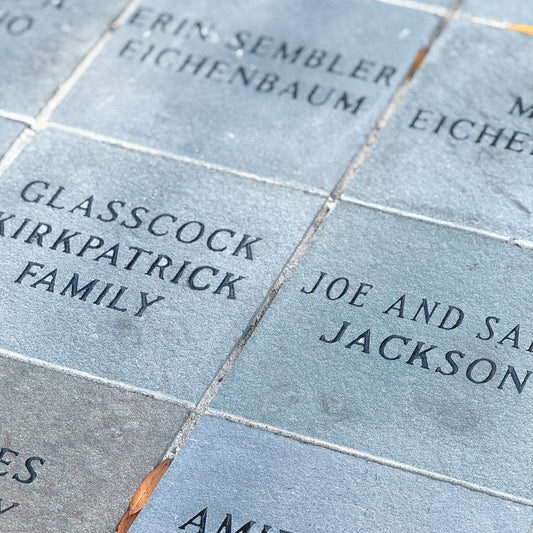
(9, 130)
(232, 472)
(515, 11)
(73, 452)
(119, 308)
(284, 91)
(459, 146)
(453, 399)
(42, 41)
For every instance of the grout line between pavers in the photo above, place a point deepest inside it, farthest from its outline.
(368, 457)
(336, 195)
(522, 243)
(328, 206)
(42, 118)
(371, 139)
(393, 104)
(184, 159)
(16, 148)
(481, 20)
(419, 6)
(211, 391)
(19, 117)
(8, 354)
(442, 11)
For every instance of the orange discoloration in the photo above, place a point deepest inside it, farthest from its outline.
(417, 62)
(522, 28)
(141, 495)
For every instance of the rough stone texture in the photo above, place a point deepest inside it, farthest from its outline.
(471, 74)
(260, 131)
(515, 11)
(179, 343)
(98, 443)
(382, 404)
(401, 384)
(42, 41)
(9, 131)
(291, 486)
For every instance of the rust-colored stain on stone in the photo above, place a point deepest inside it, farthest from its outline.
(417, 62)
(141, 495)
(522, 28)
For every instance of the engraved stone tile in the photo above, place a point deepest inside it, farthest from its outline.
(284, 90)
(516, 11)
(73, 452)
(460, 145)
(402, 339)
(231, 475)
(42, 41)
(151, 269)
(9, 131)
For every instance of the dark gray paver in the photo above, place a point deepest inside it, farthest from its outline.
(73, 452)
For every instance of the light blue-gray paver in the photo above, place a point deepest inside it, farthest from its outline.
(88, 445)
(260, 126)
(42, 42)
(9, 130)
(513, 11)
(422, 413)
(475, 85)
(177, 344)
(271, 480)
(438, 3)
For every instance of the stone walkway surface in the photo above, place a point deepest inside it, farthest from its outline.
(265, 266)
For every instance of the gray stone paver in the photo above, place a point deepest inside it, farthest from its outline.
(459, 146)
(400, 339)
(159, 267)
(226, 469)
(76, 446)
(259, 91)
(73, 452)
(42, 41)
